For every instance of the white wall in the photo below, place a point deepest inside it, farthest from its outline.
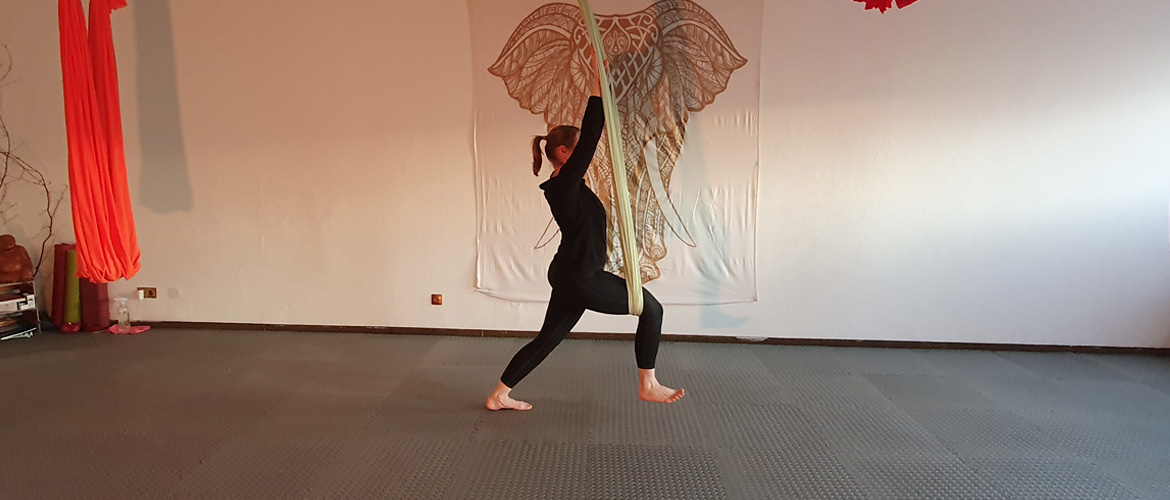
(957, 171)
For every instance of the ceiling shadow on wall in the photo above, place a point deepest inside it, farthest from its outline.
(165, 185)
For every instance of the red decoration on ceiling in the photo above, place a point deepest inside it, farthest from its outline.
(882, 5)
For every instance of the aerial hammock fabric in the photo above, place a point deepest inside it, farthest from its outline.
(613, 125)
(107, 246)
(883, 5)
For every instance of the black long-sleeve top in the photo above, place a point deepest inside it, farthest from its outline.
(577, 210)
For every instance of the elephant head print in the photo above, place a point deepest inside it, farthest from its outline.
(666, 62)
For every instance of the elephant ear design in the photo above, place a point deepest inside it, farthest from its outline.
(698, 56)
(543, 64)
(666, 61)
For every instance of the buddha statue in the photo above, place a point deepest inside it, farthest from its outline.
(15, 264)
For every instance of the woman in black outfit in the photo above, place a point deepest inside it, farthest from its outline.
(576, 274)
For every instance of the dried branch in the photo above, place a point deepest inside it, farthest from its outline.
(27, 173)
(5, 64)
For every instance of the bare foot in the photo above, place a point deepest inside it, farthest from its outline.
(650, 390)
(500, 400)
(506, 403)
(660, 394)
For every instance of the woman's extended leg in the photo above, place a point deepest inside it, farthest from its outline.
(563, 312)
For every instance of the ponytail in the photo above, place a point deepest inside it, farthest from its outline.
(537, 160)
(564, 135)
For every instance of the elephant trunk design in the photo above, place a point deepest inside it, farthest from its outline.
(666, 62)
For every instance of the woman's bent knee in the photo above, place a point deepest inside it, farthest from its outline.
(650, 305)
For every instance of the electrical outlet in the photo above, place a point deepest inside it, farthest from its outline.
(436, 299)
(149, 292)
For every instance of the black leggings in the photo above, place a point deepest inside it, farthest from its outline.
(597, 291)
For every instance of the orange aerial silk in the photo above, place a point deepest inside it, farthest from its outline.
(107, 246)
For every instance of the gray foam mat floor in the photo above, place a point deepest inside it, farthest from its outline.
(218, 414)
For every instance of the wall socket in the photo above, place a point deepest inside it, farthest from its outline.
(148, 292)
(436, 299)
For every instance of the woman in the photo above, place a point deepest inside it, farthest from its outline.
(576, 274)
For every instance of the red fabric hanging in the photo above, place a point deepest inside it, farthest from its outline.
(882, 5)
(107, 246)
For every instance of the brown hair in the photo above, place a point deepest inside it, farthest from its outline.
(563, 135)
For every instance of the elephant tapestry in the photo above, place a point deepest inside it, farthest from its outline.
(686, 78)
